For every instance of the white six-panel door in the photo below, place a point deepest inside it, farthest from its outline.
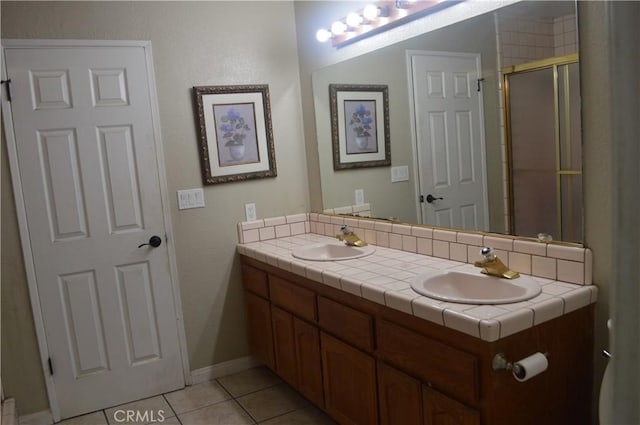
(89, 175)
(450, 143)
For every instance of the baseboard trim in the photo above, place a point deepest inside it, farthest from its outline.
(8, 413)
(39, 418)
(221, 369)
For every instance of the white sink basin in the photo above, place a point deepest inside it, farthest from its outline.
(474, 288)
(332, 252)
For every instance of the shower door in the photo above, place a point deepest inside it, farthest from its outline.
(545, 151)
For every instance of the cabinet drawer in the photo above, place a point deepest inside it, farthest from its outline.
(453, 371)
(255, 281)
(293, 298)
(346, 323)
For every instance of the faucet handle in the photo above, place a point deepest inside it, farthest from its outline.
(345, 229)
(487, 252)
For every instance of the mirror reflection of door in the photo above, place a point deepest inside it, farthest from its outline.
(543, 126)
(447, 107)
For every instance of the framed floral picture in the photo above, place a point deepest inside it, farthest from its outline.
(359, 125)
(235, 134)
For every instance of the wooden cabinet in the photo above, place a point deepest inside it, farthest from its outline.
(346, 323)
(399, 397)
(293, 298)
(364, 363)
(449, 369)
(349, 382)
(442, 410)
(297, 354)
(259, 327)
(308, 361)
(284, 345)
(404, 400)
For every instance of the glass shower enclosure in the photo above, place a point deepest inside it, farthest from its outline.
(542, 108)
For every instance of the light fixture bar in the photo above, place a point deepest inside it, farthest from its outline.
(380, 16)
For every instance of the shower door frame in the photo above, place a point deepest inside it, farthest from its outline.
(553, 63)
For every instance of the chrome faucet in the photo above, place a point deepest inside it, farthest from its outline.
(492, 265)
(349, 237)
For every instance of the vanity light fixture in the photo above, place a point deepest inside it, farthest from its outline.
(404, 4)
(338, 28)
(371, 12)
(377, 17)
(354, 19)
(323, 35)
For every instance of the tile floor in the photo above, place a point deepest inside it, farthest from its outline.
(254, 396)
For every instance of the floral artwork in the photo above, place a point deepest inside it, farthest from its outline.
(359, 125)
(235, 133)
(363, 134)
(235, 125)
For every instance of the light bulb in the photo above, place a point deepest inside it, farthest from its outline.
(353, 19)
(323, 35)
(370, 12)
(338, 28)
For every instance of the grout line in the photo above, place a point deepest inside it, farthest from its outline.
(203, 407)
(255, 421)
(175, 414)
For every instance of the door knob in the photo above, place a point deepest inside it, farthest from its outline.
(154, 241)
(431, 198)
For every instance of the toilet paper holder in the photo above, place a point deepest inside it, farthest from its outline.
(500, 362)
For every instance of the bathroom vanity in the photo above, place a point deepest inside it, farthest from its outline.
(363, 362)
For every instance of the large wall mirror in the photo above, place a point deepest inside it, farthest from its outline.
(484, 114)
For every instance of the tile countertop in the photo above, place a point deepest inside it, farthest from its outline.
(384, 277)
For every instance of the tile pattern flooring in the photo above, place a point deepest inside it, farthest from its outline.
(254, 396)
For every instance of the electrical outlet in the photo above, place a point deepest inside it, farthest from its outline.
(250, 212)
(359, 196)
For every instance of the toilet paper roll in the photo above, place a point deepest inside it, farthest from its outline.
(529, 367)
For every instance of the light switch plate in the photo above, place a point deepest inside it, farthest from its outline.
(250, 212)
(359, 196)
(399, 173)
(190, 198)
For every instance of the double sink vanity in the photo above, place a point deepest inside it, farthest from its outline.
(351, 328)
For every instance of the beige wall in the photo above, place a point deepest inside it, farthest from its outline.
(194, 43)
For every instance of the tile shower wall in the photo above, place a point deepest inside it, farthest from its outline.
(551, 261)
(565, 35)
(525, 39)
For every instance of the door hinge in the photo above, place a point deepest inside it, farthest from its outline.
(50, 366)
(8, 83)
(480, 80)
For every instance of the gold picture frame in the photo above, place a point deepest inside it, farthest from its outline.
(360, 125)
(235, 133)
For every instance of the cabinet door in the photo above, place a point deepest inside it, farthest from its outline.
(260, 332)
(399, 397)
(308, 361)
(284, 345)
(441, 410)
(349, 383)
